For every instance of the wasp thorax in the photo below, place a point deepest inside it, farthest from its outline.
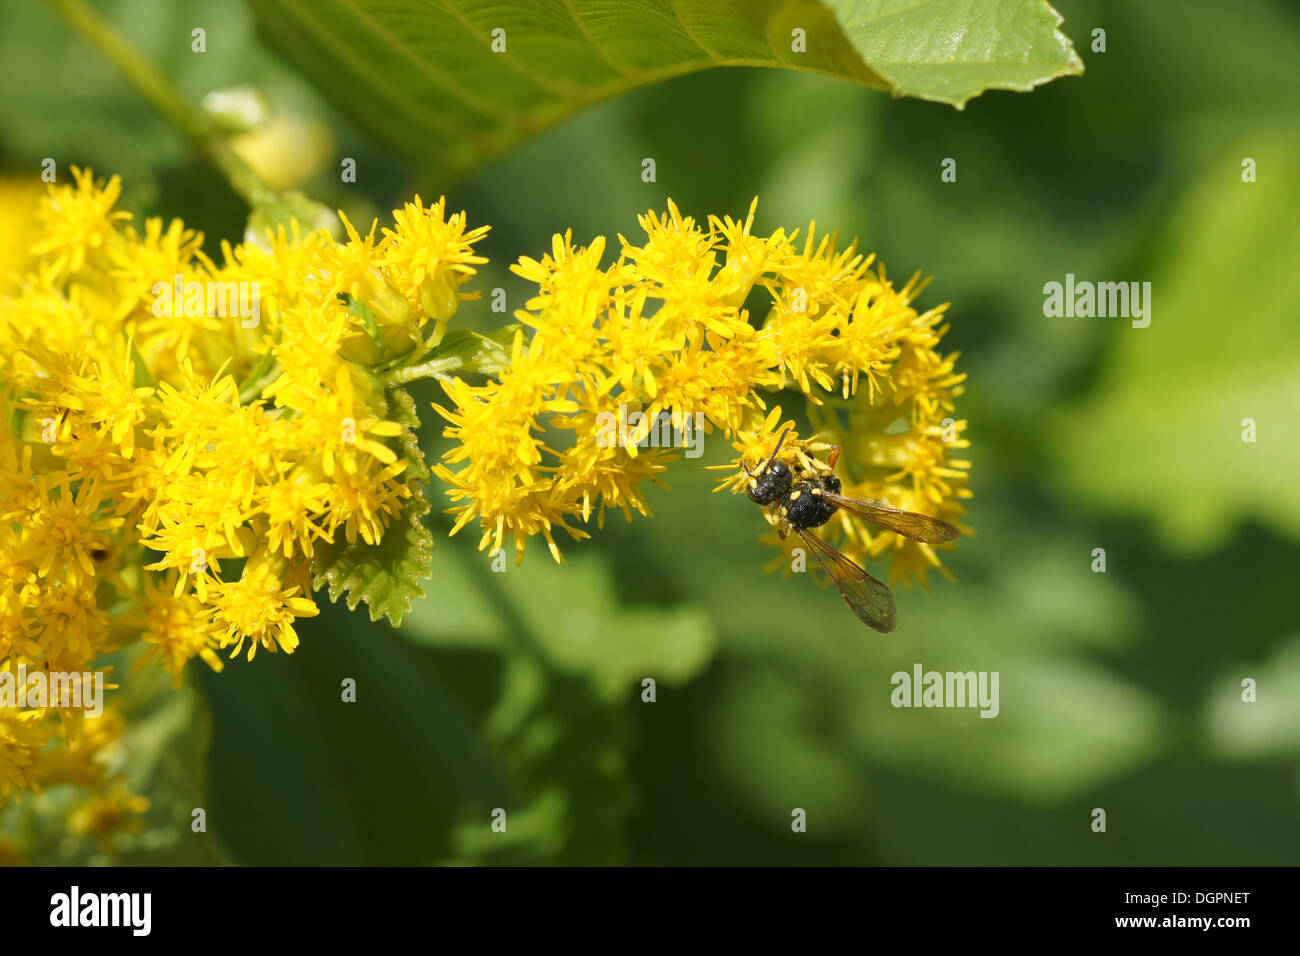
(807, 508)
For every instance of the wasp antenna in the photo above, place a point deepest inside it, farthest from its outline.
(779, 442)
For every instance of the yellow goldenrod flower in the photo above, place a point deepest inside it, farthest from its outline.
(22, 737)
(64, 527)
(336, 424)
(193, 442)
(291, 506)
(257, 609)
(86, 746)
(104, 815)
(173, 418)
(78, 221)
(365, 502)
(898, 434)
(176, 628)
(431, 254)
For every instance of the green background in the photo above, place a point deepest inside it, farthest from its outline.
(522, 690)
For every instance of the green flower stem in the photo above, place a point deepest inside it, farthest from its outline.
(151, 84)
(434, 368)
(453, 353)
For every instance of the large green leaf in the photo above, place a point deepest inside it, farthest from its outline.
(425, 77)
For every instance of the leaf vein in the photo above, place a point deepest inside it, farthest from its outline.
(536, 79)
(486, 107)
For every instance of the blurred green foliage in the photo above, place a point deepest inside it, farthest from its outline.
(522, 690)
(162, 753)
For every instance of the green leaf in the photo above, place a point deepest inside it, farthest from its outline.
(363, 312)
(425, 77)
(953, 50)
(388, 576)
(402, 410)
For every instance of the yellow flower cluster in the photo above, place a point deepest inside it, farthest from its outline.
(188, 445)
(662, 337)
(182, 438)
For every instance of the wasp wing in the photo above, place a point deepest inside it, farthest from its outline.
(869, 599)
(924, 528)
